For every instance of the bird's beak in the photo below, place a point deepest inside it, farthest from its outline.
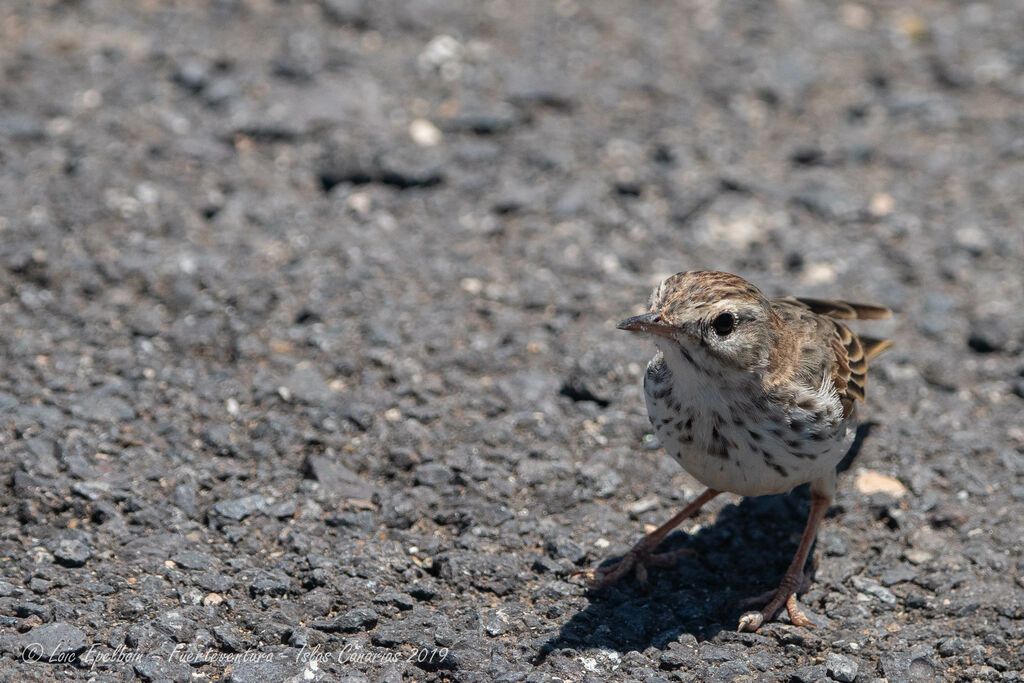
(649, 323)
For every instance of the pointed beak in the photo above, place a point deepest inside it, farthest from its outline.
(649, 323)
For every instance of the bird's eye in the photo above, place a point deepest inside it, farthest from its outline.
(724, 324)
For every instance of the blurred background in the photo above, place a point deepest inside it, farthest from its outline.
(307, 328)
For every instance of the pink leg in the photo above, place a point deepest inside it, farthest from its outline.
(794, 579)
(642, 555)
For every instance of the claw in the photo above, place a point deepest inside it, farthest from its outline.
(750, 622)
(641, 555)
(638, 559)
(607, 576)
(796, 615)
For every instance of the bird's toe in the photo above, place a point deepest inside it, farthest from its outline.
(750, 622)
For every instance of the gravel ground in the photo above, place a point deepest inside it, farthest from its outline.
(309, 360)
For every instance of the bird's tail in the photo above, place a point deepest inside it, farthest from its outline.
(873, 347)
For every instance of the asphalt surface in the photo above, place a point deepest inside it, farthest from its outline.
(309, 368)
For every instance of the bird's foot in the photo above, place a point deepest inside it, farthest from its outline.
(784, 595)
(642, 555)
(638, 560)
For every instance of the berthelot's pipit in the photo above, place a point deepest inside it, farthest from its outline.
(753, 396)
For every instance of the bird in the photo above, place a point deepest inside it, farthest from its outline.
(752, 396)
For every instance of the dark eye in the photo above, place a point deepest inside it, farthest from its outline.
(724, 324)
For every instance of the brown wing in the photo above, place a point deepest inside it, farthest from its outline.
(844, 310)
(850, 353)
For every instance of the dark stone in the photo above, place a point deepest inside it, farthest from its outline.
(192, 75)
(300, 58)
(56, 643)
(230, 638)
(527, 88)
(936, 313)
(678, 657)
(952, 646)
(341, 169)
(238, 509)
(176, 624)
(72, 553)
(217, 94)
(872, 587)
(542, 564)
(989, 334)
(513, 199)
(576, 390)
(281, 666)
(393, 634)
(1018, 387)
(42, 456)
(353, 621)
(7, 402)
(921, 669)
(300, 638)
(403, 601)
(222, 438)
(270, 584)
(337, 480)
(896, 575)
(895, 666)
(307, 385)
(193, 560)
(730, 671)
(16, 127)
(103, 409)
(127, 607)
(600, 479)
(155, 668)
(828, 203)
(495, 624)
(403, 458)
(483, 121)
(346, 12)
(283, 510)
(214, 582)
(432, 474)
(809, 674)
(28, 609)
(406, 169)
(841, 668)
(565, 547)
(807, 156)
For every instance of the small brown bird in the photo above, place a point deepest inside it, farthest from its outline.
(752, 396)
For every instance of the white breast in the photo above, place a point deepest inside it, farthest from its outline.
(726, 432)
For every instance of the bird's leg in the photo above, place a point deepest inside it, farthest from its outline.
(764, 598)
(794, 580)
(642, 554)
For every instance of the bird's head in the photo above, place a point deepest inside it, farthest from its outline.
(707, 313)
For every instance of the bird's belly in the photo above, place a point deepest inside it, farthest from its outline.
(742, 473)
(740, 452)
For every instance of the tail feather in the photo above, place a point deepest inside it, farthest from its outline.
(872, 347)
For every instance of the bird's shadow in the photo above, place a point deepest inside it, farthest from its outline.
(744, 553)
